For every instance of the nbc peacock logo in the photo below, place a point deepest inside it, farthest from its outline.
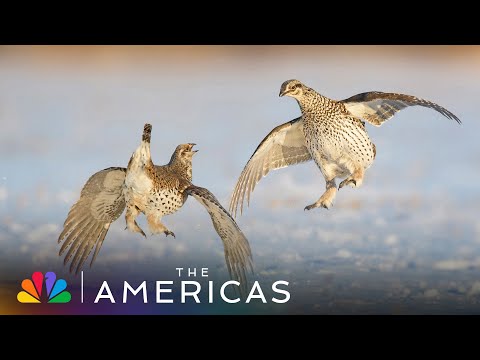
(54, 289)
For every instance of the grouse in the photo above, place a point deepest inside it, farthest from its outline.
(330, 132)
(155, 191)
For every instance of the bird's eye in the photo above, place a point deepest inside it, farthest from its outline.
(294, 86)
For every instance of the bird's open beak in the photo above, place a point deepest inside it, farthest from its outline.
(191, 147)
(282, 92)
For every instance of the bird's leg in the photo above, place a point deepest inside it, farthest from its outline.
(156, 227)
(326, 200)
(354, 180)
(130, 216)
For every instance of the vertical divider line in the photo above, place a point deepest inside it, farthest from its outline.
(81, 287)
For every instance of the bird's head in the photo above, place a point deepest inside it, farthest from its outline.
(181, 160)
(185, 152)
(293, 88)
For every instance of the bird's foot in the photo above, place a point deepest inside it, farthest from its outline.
(318, 204)
(136, 228)
(325, 201)
(156, 227)
(313, 206)
(347, 182)
(168, 232)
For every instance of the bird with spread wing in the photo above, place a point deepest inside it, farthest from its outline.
(330, 132)
(155, 191)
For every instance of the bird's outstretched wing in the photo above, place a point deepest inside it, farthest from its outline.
(238, 255)
(377, 107)
(101, 203)
(283, 146)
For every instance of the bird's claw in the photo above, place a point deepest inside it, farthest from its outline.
(346, 182)
(141, 232)
(168, 232)
(313, 206)
(322, 204)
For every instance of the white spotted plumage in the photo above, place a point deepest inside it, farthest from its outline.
(331, 132)
(154, 191)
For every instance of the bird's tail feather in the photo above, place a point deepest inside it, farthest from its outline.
(141, 155)
(147, 133)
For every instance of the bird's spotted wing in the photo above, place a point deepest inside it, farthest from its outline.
(283, 146)
(238, 255)
(377, 107)
(101, 203)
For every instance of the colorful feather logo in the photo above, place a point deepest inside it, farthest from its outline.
(55, 289)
